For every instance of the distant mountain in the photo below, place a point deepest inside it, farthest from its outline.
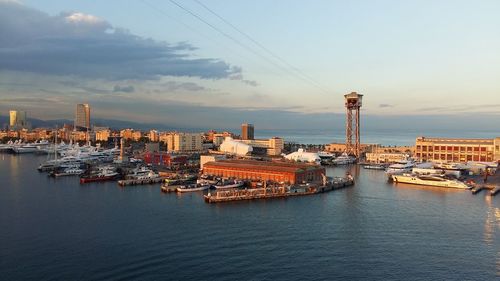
(113, 124)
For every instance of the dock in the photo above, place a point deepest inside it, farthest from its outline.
(274, 192)
(169, 188)
(494, 191)
(477, 189)
(140, 182)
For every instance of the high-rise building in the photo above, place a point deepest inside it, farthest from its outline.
(184, 142)
(82, 116)
(247, 131)
(18, 119)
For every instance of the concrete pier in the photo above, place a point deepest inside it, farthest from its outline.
(274, 192)
(140, 182)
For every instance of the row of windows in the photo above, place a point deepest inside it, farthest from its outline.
(454, 157)
(450, 148)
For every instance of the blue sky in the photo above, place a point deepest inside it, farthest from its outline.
(415, 58)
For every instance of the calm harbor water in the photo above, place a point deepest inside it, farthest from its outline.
(61, 230)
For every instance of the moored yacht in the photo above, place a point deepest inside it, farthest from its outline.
(143, 173)
(430, 181)
(400, 167)
(226, 184)
(344, 159)
(105, 173)
(194, 187)
(72, 171)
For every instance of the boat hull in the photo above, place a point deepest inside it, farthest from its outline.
(417, 181)
(98, 179)
(201, 188)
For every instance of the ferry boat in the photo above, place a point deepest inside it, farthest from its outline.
(104, 174)
(429, 181)
(229, 184)
(193, 187)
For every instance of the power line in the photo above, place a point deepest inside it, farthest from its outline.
(161, 11)
(298, 71)
(243, 45)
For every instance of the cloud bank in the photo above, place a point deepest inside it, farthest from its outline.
(73, 43)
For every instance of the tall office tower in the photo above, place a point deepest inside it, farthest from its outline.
(247, 131)
(82, 116)
(18, 119)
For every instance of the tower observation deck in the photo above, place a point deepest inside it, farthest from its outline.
(353, 102)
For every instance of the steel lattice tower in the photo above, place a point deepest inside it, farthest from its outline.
(353, 102)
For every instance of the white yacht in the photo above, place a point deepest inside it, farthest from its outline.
(143, 173)
(72, 171)
(344, 159)
(194, 187)
(400, 167)
(227, 184)
(429, 181)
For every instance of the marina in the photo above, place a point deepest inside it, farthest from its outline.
(389, 214)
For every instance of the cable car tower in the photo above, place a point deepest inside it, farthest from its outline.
(353, 102)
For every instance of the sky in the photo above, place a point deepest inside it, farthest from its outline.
(279, 64)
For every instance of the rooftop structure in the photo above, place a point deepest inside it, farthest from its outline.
(303, 156)
(231, 146)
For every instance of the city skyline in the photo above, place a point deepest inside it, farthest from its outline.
(430, 65)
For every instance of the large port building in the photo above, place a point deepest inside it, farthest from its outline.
(280, 171)
(457, 150)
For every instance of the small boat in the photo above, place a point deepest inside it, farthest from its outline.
(400, 167)
(374, 167)
(429, 181)
(72, 171)
(193, 187)
(168, 188)
(207, 179)
(143, 173)
(229, 184)
(104, 174)
(344, 159)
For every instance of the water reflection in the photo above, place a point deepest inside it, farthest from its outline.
(492, 222)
